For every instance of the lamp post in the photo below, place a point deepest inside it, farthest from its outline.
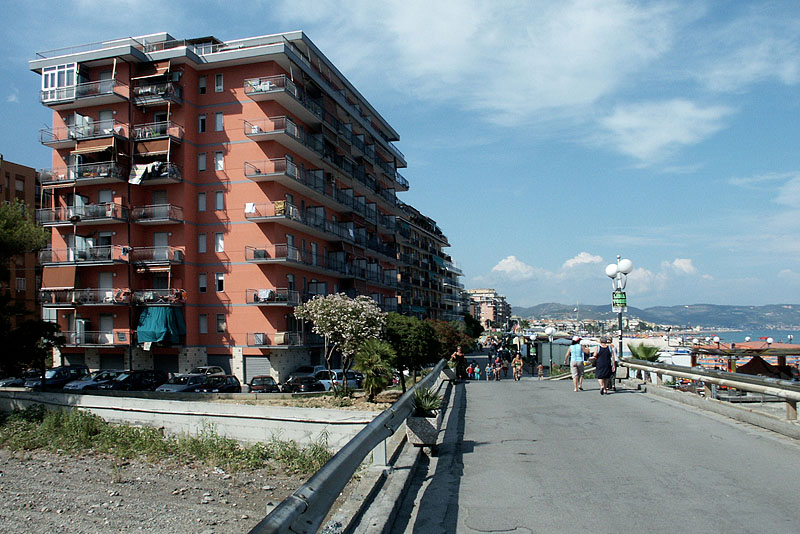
(618, 272)
(549, 331)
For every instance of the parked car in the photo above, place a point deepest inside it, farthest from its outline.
(263, 384)
(220, 384)
(93, 381)
(137, 380)
(302, 384)
(57, 377)
(336, 376)
(182, 384)
(18, 382)
(306, 370)
(207, 370)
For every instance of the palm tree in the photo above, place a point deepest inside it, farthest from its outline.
(644, 352)
(372, 359)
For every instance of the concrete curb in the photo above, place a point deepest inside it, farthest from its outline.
(738, 413)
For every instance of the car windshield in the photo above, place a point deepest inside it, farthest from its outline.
(263, 381)
(178, 380)
(198, 371)
(105, 375)
(122, 376)
(215, 381)
(50, 373)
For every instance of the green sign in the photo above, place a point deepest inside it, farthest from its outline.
(619, 302)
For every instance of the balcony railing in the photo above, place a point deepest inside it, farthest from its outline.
(156, 173)
(158, 130)
(283, 210)
(272, 86)
(165, 254)
(67, 136)
(86, 338)
(157, 214)
(272, 297)
(89, 254)
(105, 172)
(86, 214)
(270, 167)
(151, 94)
(107, 91)
(84, 297)
(264, 128)
(159, 297)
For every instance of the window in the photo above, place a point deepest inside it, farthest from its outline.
(201, 85)
(201, 161)
(221, 326)
(201, 243)
(220, 277)
(219, 200)
(202, 282)
(219, 162)
(219, 84)
(219, 242)
(202, 323)
(201, 202)
(20, 184)
(219, 122)
(20, 283)
(58, 83)
(201, 123)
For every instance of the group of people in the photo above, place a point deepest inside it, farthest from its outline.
(495, 369)
(604, 364)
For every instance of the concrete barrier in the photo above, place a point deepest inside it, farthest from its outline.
(242, 422)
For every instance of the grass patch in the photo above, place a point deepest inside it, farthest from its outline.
(78, 432)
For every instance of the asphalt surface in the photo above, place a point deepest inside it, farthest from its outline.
(533, 456)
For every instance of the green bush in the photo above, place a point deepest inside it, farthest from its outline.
(426, 402)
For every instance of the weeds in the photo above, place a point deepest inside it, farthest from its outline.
(79, 431)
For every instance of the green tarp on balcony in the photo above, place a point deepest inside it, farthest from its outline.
(161, 324)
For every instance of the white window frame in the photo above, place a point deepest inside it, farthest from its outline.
(219, 161)
(219, 121)
(219, 200)
(222, 325)
(219, 242)
(219, 83)
(219, 282)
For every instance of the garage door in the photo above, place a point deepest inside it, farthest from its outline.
(256, 365)
(76, 358)
(112, 361)
(165, 362)
(221, 360)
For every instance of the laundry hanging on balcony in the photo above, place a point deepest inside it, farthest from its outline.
(161, 324)
(143, 171)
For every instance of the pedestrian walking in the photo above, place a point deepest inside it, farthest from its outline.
(461, 363)
(489, 371)
(604, 365)
(477, 372)
(575, 361)
(498, 368)
(505, 367)
(517, 364)
(540, 371)
(470, 372)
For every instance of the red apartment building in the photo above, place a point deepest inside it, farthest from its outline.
(200, 190)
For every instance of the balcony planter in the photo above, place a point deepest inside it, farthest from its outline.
(422, 426)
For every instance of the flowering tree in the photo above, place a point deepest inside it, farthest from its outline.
(345, 324)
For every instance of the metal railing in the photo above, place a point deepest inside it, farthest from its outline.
(146, 94)
(81, 338)
(306, 508)
(157, 130)
(157, 212)
(88, 254)
(60, 134)
(783, 389)
(84, 90)
(85, 213)
(163, 297)
(84, 296)
(270, 296)
(165, 254)
(270, 84)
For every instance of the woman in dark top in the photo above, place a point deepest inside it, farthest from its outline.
(604, 366)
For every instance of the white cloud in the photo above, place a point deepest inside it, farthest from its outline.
(581, 259)
(682, 266)
(650, 131)
(513, 268)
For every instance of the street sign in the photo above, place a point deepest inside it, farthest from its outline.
(619, 302)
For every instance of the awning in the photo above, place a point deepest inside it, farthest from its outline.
(154, 269)
(151, 70)
(93, 145)
(155, 146)
(137, 173)
(161, 324)
(58, 277)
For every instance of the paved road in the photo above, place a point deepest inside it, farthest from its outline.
(534, 456)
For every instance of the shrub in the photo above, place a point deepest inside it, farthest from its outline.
(426, 402)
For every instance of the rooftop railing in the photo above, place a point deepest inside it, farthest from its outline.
(89, 47)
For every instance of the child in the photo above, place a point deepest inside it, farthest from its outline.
(540, 370)
(470, 372)
(488, 372)
(477, 372)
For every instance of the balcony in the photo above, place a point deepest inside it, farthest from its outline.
(85, 215)
(282, 90)
(287, 133)
(88, 174)
(278, 169)
(290, 215)
(157, 214)
(159, 297)
(94, 339)
(69, 298)
(151, 137)
(157, 94)
(90, 255)
(68, 136)
(278, 339)
(283, 253)
(99, 93)
(272, 297)
(156, 173)
(156, 255)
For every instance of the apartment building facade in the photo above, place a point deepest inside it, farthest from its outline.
(200, 190)
(489, 307)
(18, 182)
(429, 279)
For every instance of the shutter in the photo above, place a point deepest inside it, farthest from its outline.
(220, 360)
(165, 362)
(255, 366)
(112, 361)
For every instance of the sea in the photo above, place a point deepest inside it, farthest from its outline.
(778, 336)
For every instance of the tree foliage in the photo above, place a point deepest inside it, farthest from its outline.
(19, 233)
(641, 351)
(472, 327)
(451, 334)
(345, 323)
(414, 341)
(373, 360)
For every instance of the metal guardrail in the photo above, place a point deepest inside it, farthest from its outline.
(784, 389)
(306, 508)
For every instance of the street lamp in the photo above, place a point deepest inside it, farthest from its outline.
(618, 272)
(549, 331)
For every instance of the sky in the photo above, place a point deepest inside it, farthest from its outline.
(545, 137)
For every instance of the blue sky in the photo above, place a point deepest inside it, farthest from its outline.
(544, 137)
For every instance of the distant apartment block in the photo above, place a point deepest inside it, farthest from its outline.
(489, 307)
(201, 189)
(19, 182)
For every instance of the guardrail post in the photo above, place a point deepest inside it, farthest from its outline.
(791, 410)
(709, 394)
(659, 379)
(379, 455)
